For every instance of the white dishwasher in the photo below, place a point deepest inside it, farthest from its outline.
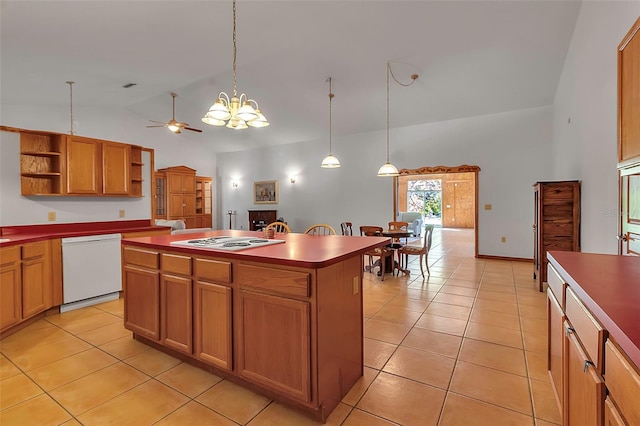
(91, 270)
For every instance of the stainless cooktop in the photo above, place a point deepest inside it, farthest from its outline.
(226, 243)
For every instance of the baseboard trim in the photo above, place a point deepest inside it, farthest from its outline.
(511, 259)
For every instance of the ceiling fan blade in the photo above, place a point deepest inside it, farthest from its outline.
(193, 130)
(164, 125)
(160, 122)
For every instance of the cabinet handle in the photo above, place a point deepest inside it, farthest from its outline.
(587, 363)
(568, 331)
(623, 238)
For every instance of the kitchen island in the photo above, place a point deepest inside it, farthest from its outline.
(285, 319)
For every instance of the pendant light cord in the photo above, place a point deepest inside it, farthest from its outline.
(234, 50)
(70, 83)
(331, 95)
(414, 77)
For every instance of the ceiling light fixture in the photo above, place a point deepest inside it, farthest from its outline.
(70, 83)
(236, 112)
(387, 168)
(330, 162)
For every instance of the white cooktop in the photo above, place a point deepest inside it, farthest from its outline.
(226, 243)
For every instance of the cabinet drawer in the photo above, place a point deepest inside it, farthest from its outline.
(176, 264)
(213, 270)
(589, 331)
(144, 258)
(278, 281)
(556, 284)
(32, 250)
(9, 255)
(623, 382)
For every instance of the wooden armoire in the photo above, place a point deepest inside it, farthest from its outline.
(556, 223)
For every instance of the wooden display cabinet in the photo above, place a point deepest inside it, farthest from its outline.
(181, 194)
(41, 163)
(204, 202)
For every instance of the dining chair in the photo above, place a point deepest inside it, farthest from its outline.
(346, 228)
(320, 229)
(423, 251)
(382, 253)
(279, 227)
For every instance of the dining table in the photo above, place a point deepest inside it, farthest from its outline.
(397, 234)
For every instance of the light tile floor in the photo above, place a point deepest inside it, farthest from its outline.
(466, 346)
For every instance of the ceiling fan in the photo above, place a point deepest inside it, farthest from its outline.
(173, 125)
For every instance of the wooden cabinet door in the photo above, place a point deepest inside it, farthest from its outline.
(189, 182)
(176, 206)
(213, 324)
(612, 416)
(555, 335)
(189, 202)
(36, 293)
(116, 164)
(142, 302)
(628, 96)
(175, 184)
(274, 343)
(83, 166)
(10, 282)
(584, 389)
(176, 313)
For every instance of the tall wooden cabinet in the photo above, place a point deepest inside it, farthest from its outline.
(629, 140)
(204, 202)
(556, 222)
(180, 187)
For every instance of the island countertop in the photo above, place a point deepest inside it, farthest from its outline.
(303, 250)
(609, 286)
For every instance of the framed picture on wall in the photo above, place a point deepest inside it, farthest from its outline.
(265, 192)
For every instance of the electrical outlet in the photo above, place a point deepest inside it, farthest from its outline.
(488, 206)
(51, 216)
(121, 213)
(503, 239)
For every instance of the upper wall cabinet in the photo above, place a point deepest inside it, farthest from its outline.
(629, 97)
(54, 164)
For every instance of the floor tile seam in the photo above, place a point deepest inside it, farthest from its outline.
(42, 392)
(495, 343)
(378, 371)
(441, 331)
(492, 310)
(81, 377)
(525, 375)
(494, 325)
(377, 416)
(108, 400)
(533, 405)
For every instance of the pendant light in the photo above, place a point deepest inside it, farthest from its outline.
(387, 168)
(237, 112)
(330, 161)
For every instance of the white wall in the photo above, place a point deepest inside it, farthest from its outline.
(586, 148)
(512, 149)
(192, 150)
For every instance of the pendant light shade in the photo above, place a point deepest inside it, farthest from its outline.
(330, 161)
(387, 168)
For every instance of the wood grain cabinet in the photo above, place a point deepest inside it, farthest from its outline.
(70, 165)
(176, 303)
(204, 202)
(141, 286)
(181, 194)
(556, 222)
(213, 306)
(27, 282)
(10, 283)
(629, 97)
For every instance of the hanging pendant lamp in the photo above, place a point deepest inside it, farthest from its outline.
(330, 161)
(387, 168)
(237, 112)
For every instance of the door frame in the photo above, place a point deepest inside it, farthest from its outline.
(464, 168)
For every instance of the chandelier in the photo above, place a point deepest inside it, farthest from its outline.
(387, 168)
(237, 112)
(330, 161)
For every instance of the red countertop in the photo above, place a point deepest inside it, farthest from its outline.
(609, 286)
(307, 251)
(30, 233)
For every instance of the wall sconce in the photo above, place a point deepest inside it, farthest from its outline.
(234, 184)
(292, 179)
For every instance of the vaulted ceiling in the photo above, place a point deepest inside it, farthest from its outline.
(473, 58)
